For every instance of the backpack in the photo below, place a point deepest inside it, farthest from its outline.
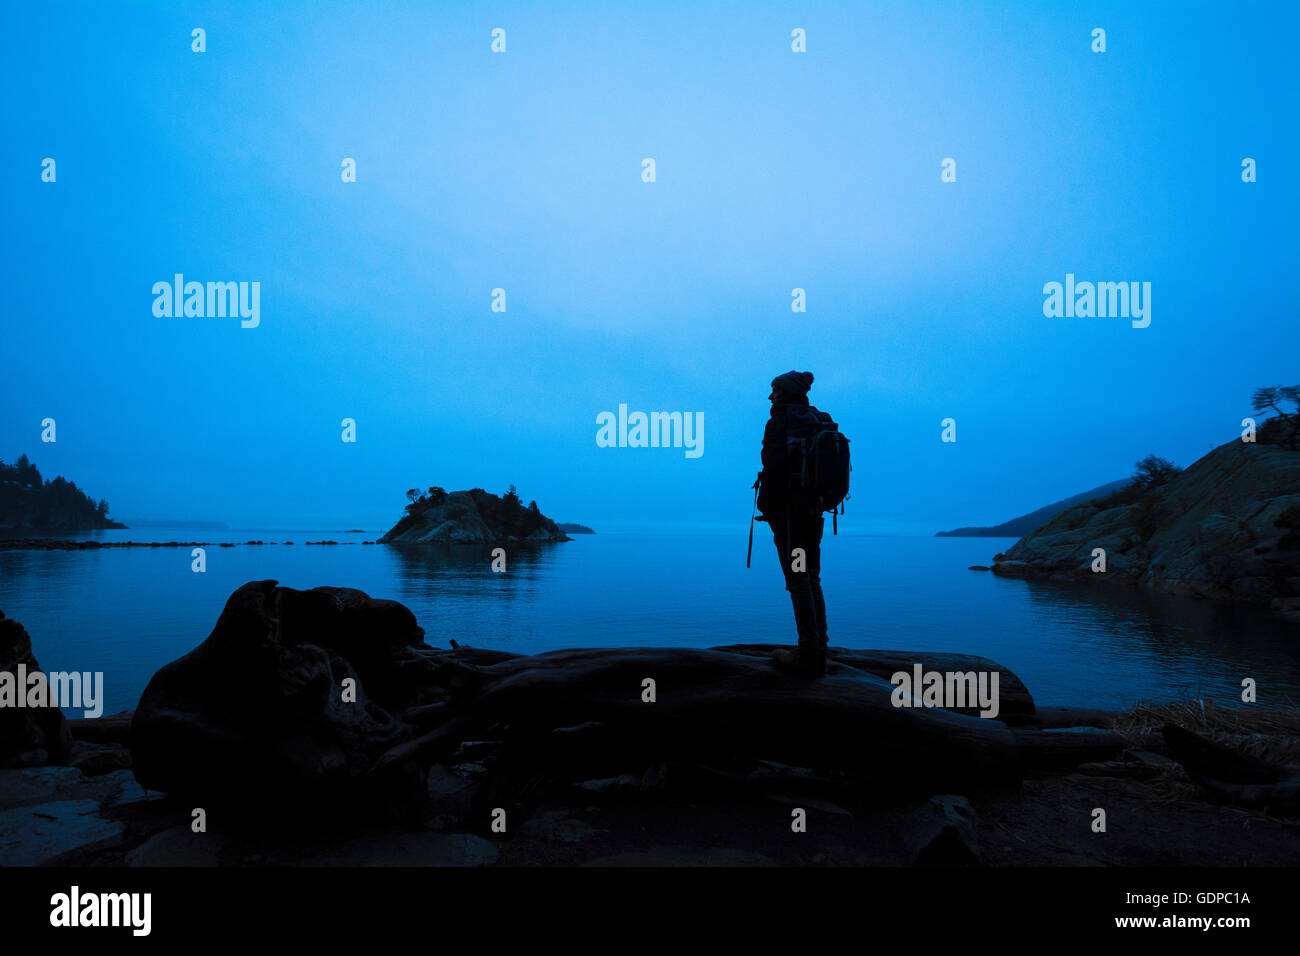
(819, 462)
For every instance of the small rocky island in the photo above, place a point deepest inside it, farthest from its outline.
(471, 517)
(1226, 527)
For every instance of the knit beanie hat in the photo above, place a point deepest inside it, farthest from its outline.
(794, 383)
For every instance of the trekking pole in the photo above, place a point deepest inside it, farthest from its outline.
(750, 553)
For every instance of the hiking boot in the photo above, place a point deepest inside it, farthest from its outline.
(802, 660)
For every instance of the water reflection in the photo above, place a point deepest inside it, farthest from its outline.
(129, 611)
(465, 570)
(1190, 646)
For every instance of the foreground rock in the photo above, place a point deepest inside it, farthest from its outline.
(29, 736)
(47, 812)
(261, 711)
(30, 836)
(942, 832)
(1227, 527)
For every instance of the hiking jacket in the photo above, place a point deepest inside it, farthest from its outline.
(776, 492)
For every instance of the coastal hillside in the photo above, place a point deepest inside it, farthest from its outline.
(471, 517)
(1018, 527)
(30, 503)
(1226, 527)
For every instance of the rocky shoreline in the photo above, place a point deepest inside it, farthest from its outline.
(67, 816)
(1226, 528)
(316, 728)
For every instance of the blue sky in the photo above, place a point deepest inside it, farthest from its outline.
(522, 171)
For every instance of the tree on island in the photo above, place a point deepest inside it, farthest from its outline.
(1149, 476)
(421, 502)
(1284, 428)
(1153, 471)
(511, 498)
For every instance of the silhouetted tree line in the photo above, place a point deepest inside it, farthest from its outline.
(28, 502)
(509, 514)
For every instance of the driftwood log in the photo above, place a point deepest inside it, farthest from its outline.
(1234, 778)
(262, 712)
(581, 713)
(1015, 704)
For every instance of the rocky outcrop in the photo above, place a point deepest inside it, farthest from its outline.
(1226, 527)
(942, 832)
(472, 517)
(263, 709)
(29, 736)
(46, 812)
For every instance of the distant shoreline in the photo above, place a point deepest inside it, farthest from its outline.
(58, 544)
(164, 523)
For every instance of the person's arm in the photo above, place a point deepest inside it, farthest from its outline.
(774, 474)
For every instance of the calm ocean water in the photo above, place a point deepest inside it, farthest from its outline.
(126, 612)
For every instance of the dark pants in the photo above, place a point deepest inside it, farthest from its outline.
(805, 587)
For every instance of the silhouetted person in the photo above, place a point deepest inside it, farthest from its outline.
(795, 520)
